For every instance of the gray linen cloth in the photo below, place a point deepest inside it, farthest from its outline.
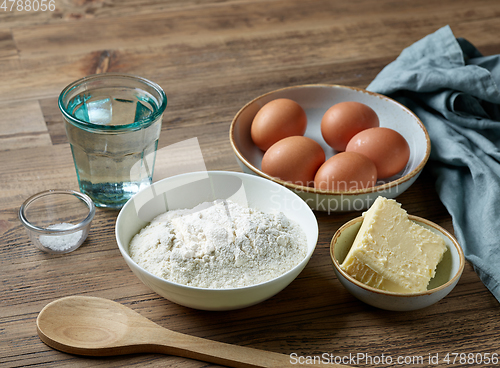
(454, 90)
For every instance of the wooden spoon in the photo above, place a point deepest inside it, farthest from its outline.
(99, 327)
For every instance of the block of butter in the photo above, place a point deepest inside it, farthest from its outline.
(391, 252)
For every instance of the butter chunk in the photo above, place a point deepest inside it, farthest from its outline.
(391, 252)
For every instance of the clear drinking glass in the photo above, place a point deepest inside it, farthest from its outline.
(113, 122)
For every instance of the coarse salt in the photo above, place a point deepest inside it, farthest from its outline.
(219, 245)
(60, 243)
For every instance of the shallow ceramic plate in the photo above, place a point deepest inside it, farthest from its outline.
(448, 271)
(316, 100)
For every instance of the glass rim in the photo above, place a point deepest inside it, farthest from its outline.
(136, 125)
(81, 225)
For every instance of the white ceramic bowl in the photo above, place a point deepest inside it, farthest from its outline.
(448, 271)
(316, 100)
(189, 190)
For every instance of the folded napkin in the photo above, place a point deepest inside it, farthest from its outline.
(454, 90)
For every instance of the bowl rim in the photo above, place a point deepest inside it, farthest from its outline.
(301, 188)
(414, 218)
(40, 230)
(123, 250)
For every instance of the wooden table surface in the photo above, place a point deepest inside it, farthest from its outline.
(212, 57)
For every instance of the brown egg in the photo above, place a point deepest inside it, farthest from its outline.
(385, 147)
(344, 120)
(346, 171)
(276, 120)
(294, 159)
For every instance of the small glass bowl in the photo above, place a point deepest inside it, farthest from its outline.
(57, 221)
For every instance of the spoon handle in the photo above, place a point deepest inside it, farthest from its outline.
(224, 354)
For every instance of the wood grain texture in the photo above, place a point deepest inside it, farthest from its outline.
(212, 57)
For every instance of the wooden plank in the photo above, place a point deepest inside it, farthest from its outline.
(207, 53)
(225, 22)
(8, 48)
(22, 125)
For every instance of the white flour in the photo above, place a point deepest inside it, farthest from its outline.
(219, 245)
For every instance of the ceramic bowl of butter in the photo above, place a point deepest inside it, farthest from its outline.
(395, 261)
(315, 101)
(216, 240)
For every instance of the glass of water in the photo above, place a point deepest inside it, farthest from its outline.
(113, 122)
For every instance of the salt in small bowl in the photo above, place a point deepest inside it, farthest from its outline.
(57, 221)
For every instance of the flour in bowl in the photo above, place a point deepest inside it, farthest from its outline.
(219, 245)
